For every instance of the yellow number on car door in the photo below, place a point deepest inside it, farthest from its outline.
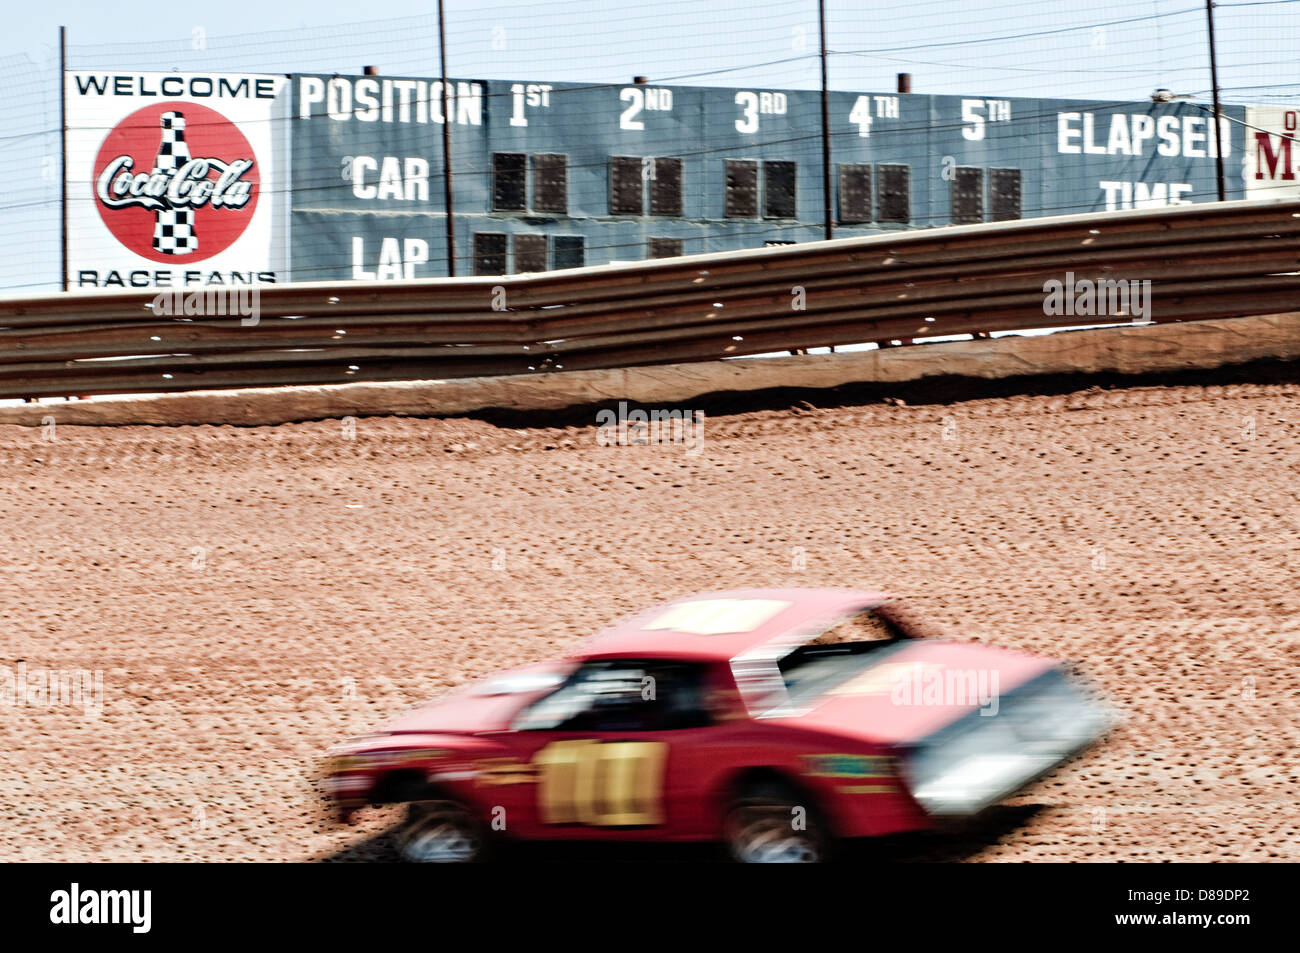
(611, 784)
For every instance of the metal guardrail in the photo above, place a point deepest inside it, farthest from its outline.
(1203, 261)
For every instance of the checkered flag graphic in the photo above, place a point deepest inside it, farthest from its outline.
(173, 230)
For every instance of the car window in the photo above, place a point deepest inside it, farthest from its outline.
(870, 625)
(840, 653)
(617, 695)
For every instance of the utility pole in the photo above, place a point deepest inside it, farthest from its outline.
(826, 128)
(446, 144)
(1218, 119)
(63, 153)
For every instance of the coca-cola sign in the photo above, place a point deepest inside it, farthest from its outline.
(187, 186)
(176, 182)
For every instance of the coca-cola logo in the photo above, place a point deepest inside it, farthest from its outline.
(176, 182)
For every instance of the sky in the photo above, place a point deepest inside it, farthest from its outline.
(1090, 49)
(994, 47)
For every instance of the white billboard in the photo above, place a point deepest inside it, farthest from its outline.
(176, 179)
(1271, 163)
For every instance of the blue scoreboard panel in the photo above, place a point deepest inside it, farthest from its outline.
(555, 175)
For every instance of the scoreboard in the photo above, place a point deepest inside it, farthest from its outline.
(550, 175)
(225, 178)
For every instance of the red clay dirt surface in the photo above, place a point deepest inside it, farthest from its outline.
(252, 596)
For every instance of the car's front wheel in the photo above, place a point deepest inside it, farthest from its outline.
(772, 824)
(441, 832)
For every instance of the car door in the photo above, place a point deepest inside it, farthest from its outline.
(608, 755)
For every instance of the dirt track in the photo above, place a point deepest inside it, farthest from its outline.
(252, 596)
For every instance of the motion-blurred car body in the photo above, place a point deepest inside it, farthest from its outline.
(777, 720)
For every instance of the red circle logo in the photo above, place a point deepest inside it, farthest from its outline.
(176, 182)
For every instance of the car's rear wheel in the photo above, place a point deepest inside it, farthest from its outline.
(441, 832)
(773, 824)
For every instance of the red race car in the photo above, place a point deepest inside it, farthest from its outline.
(778, 720)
